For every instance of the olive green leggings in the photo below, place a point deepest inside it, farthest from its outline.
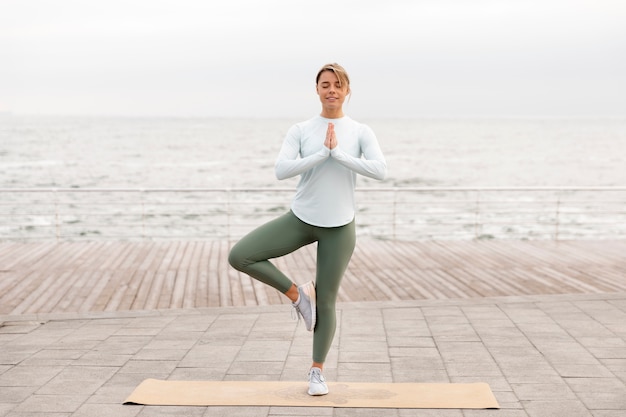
(284, 235)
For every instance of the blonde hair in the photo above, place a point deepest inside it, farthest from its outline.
(339, 71)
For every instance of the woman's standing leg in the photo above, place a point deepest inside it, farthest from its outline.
(334, 250)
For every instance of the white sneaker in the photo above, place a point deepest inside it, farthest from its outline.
(317, 382)
(305, 306)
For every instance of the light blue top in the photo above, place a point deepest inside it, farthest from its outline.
(325, 194)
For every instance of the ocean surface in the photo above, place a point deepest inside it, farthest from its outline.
(126, 152)
(114, 152)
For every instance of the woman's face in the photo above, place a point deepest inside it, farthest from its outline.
(331, 94)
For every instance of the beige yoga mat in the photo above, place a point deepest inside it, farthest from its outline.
(293, 394)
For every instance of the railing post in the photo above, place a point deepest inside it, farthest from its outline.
(557, 219)
(395, 203)
(228, 215)
(143, 213)
(477, 215)
(57, 221)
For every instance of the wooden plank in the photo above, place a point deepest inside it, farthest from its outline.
(17, 256)
(94, 276)
(21, 285)
(90, 302)
(154, 295)
(223, 268)
(131, 288)
(214, 295)
(201, 266)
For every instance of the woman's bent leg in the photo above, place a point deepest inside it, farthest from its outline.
(334, 250)
(271, 240)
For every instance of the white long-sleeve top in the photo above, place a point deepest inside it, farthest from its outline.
(325, 194)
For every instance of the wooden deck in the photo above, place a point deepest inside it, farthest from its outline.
(115, 276)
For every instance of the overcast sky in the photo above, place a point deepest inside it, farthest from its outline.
(251, 58)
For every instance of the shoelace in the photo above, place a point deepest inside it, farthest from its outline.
(316, 377)
(295, 313)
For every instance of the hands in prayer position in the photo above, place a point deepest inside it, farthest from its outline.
(331, 139)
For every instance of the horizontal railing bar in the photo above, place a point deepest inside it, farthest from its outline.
(149, 213)
(284, 189)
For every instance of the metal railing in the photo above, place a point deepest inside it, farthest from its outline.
(417, 213)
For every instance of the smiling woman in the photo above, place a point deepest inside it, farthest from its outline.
(327, 152)
(333, 86)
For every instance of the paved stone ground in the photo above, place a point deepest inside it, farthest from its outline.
(544, 356)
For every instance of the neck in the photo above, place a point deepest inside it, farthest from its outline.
(332, 113)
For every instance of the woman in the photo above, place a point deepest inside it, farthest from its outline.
(327, 151)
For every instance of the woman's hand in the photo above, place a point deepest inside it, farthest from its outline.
(331, 139)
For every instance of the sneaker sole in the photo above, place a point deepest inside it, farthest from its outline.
(313, 299)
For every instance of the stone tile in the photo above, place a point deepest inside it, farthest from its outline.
(353, 345)
(138, 331)
(600, 393)
(107, 410)
(427, 412)
(124, 345)
(199, 323)
(495, 413)
(410, 341)
(208, 356)
(421, 375)
(365, 412)
(427, 358)
(51, 404)
(543, 392)
(507, 400)
(140, 366)
(54, 357)
(603, 352)
(246, 377)
(157, 411)
(484, 369)
(170, 343)
(607, 413)
(272, 350)
(593, 370)
(403, 313)
(131, 380)
(570, 408)
(614, 365)
(77, 380)
(496, 383)
(98, 358)
(359, 372)
(531, 376)
(15, 394)
(6, 408)
(251, 368)
(28, 376)
(237, 412)
(19, 327)
(161, 354)
(197, 374)
(159, 322)
(453, 333)
(301, 411)
(110, 395)
(364, 357)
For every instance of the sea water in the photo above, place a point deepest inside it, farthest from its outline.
(143, 153)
